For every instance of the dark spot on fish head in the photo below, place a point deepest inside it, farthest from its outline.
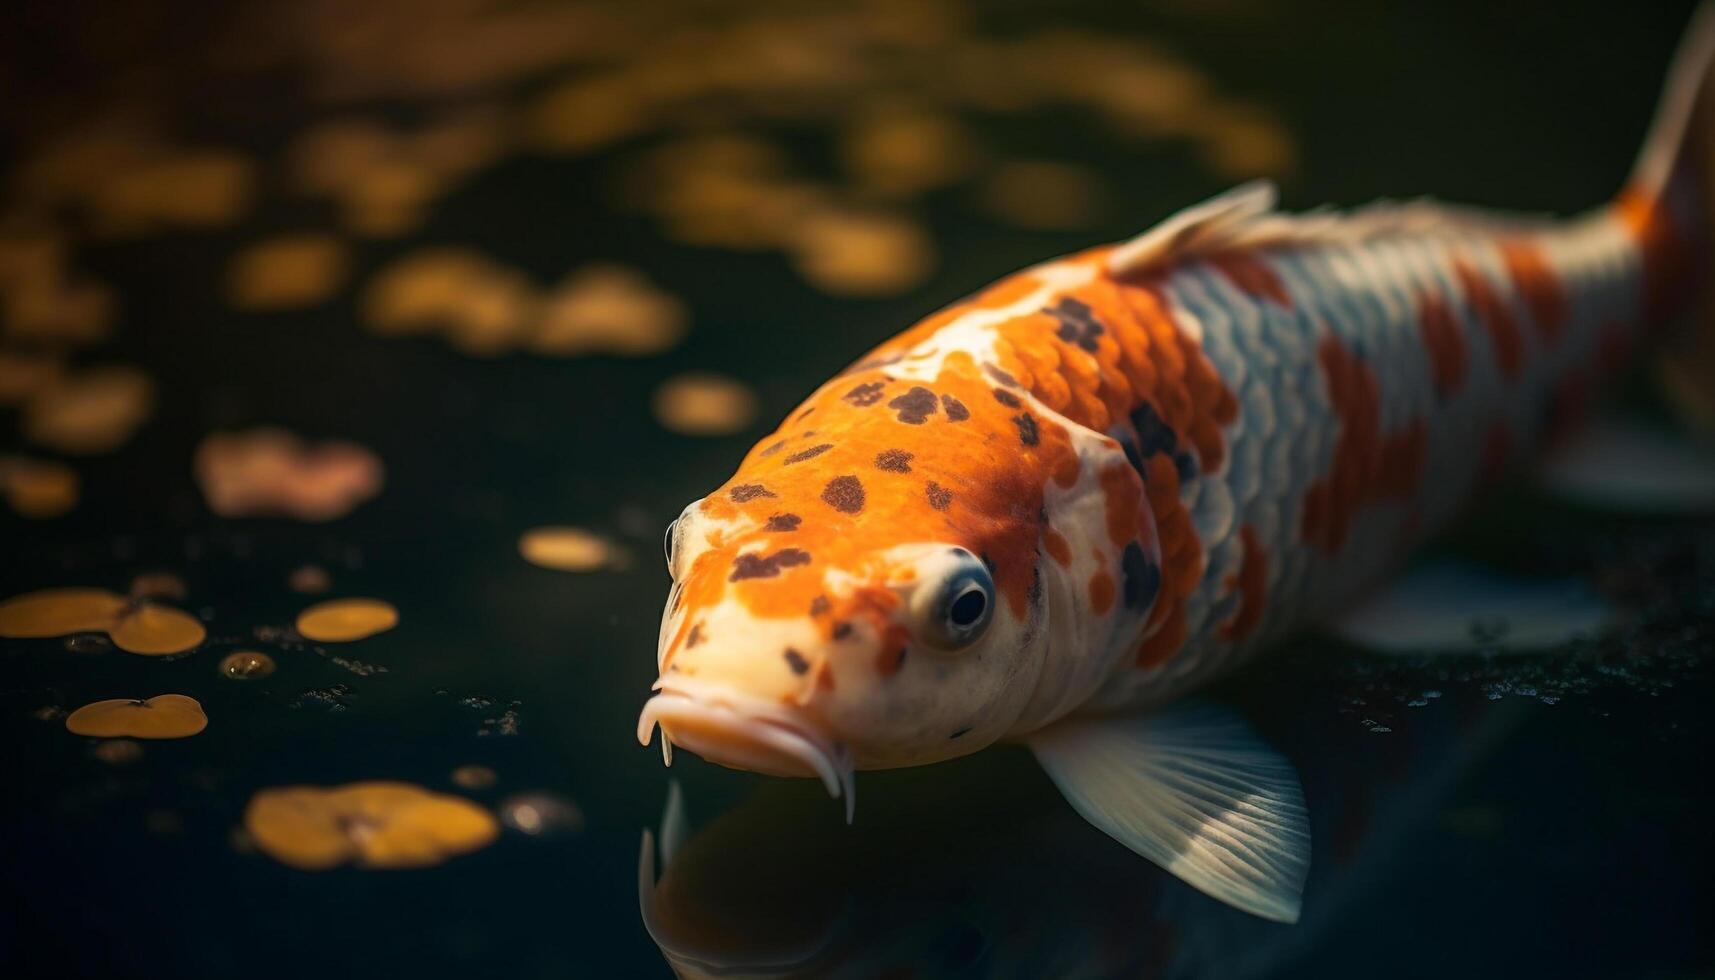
(1027, 432)
(811, 453)
(773, 447)
(746, 492)
(695, 636)
(955, 409)
(893, 461)
(865, 394)
(841, 630)
(844, 494)
(783, 522)
(940, 497)
(796, 662)
(820, 605)
(755, 565)
(1006, 398)
(915, 406)
(1078, 324)
(1001, 376)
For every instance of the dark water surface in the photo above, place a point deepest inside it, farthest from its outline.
(1476, 817)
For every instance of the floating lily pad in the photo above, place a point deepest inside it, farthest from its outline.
(345, 620)
(135, 626)
(566, 549)
(377, 824)
(162, 716)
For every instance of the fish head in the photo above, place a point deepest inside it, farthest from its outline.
(866, 590)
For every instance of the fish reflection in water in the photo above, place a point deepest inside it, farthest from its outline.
(992, 876)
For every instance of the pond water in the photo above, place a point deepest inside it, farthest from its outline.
(1476, 816)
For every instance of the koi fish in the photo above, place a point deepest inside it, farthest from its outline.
(1047, 512)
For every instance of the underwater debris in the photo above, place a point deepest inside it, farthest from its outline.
(332, 698)
(540, 814)
(357, 667)
(473, 777)
(246, 665)
(505, 724)
(309, 579)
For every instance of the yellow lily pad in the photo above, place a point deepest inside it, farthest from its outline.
(345, 620)
(376, 824)
(58, 612)
(162, 716)
(37, 489)
(155, 630)
(287, 272)
(702, 404)
(90, 412)
(270, 471)
(134, 626)
(565, 549)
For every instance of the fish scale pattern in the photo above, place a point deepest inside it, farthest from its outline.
(1370, 379)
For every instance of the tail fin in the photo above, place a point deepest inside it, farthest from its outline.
(1668, 205)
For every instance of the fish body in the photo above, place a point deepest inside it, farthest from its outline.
(1103, 481)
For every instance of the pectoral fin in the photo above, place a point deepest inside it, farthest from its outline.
(1195, 790)
(1449, 607)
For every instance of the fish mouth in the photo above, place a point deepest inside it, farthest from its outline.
(739, 731)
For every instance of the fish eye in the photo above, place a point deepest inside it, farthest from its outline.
(956, 606)
(667, 542)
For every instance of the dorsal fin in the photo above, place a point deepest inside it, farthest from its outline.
(1244, 217)
(1190, 231)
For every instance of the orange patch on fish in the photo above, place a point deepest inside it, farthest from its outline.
(1368, 466)
(1252, 276)
(1181, 561)
(1101, 592)
(1495, 316)
(1055, 544)
(1445, 343)
(1539, 285)
(1122, 491)
(1250, 583)
(1164, 643)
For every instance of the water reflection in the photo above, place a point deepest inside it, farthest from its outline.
(979, 869)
